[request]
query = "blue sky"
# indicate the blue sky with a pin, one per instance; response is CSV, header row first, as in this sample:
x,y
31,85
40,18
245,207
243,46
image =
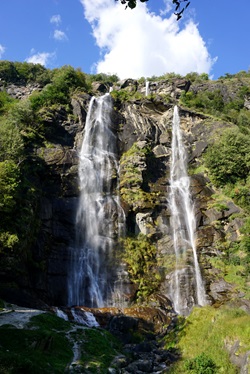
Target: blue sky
x,y
101,36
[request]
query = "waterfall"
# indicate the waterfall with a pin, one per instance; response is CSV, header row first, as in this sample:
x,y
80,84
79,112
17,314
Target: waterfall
x,y
99,218
147,88
186,286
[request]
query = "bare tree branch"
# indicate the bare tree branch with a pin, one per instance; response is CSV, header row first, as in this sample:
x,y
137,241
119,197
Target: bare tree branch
x,y
179,6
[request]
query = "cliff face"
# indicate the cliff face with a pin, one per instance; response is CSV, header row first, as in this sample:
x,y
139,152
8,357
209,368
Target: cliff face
x,y
144,130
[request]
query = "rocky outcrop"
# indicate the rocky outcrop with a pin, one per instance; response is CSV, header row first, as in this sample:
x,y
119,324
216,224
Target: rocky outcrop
x,y
143,128
20,91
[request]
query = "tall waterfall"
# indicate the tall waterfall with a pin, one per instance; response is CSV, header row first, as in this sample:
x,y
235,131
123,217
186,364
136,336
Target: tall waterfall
x,y
99,217
147,90
186,289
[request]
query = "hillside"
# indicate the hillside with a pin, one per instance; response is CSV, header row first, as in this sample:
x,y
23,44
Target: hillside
x,y
43,119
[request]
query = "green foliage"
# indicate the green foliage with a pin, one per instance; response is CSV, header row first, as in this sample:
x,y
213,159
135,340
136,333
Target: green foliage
x,y
167,76
203,339
233,266
41,350
201,364
64,81
9,185
228,159
103,78
239,192
12,72
134,186
48,321
210,102
196,78
11,141
240,74
140,255
5,102
44,345
123,95
214,100
99,351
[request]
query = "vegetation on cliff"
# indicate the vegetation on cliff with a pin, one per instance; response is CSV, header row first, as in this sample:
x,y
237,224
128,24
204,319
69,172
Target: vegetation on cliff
x,y
31,124
209,338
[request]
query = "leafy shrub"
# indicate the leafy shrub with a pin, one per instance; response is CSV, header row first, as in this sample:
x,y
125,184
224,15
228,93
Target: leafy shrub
x,y
140,257
5,102
104,78
13,72
9,185
201,364
64,81
228,159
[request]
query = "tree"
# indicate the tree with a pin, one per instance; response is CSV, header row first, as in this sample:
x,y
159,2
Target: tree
x,y
228,159
179,9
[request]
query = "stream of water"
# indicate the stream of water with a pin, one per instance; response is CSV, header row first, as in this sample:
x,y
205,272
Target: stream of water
x,y
99,217
187,288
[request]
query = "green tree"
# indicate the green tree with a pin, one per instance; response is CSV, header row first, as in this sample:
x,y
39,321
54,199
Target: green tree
x,y
64,81
228,159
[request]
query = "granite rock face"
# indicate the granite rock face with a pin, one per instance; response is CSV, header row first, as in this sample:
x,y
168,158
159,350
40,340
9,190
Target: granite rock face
x,y
143,127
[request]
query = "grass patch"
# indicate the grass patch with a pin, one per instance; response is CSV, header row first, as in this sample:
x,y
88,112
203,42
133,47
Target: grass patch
x,y
36,352
40,350
206,333
98,350
47,321
234,273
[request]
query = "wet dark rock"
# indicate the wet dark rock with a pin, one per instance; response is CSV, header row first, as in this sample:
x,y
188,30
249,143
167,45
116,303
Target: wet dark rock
x,y
148,123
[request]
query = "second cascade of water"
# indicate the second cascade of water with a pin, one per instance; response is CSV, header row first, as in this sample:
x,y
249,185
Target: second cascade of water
x,y
186,285
99,217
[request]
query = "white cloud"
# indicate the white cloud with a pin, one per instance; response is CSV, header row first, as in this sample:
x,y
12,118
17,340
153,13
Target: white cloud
x,y
43,58
56,19
60,35
168,6
2,50
139,43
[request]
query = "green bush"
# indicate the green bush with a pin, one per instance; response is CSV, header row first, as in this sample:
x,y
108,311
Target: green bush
x,y
140,255
9,185
11,141
228,159
103,78
24,72
201,364
64,81
5,102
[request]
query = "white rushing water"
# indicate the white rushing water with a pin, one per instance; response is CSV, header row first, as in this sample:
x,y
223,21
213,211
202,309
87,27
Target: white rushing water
x,y
187,287
99,217
147,88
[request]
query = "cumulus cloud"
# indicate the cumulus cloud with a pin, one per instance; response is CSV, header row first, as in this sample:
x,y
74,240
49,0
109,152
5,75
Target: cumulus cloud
x,y
139,43
56,19
59,35
2,50
43,58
